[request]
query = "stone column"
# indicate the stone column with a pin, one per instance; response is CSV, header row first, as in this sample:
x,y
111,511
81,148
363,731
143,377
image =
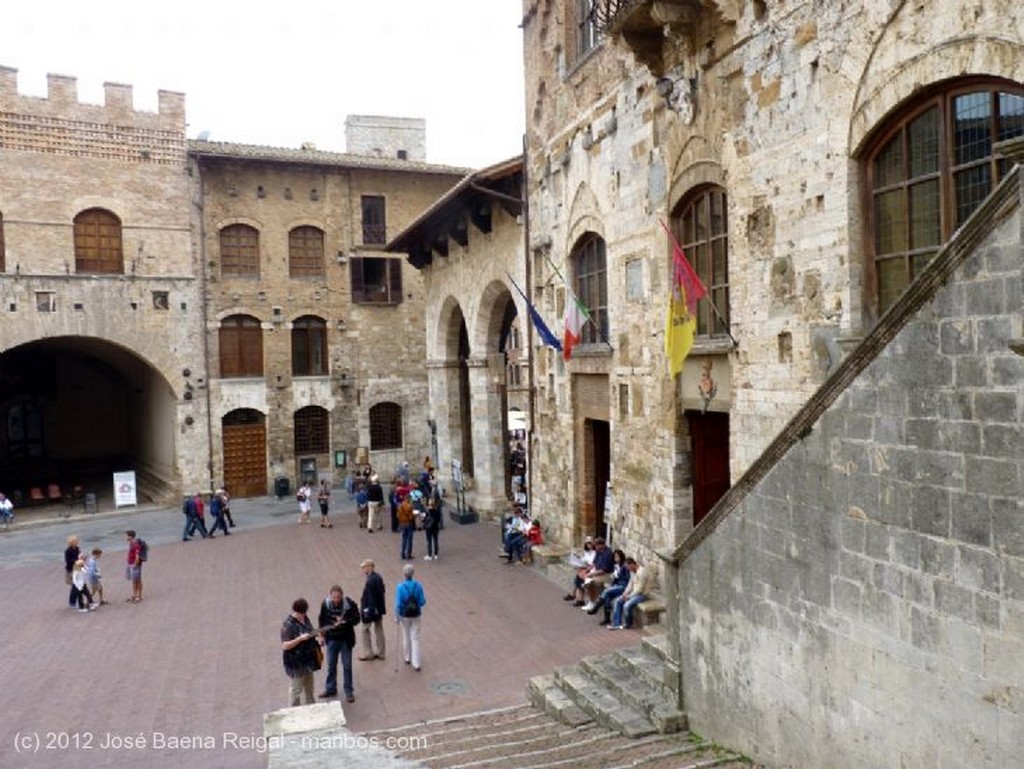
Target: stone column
x,y
486,385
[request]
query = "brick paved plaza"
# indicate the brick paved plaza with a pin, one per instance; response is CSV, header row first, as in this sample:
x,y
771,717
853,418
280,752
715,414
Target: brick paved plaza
x,y
200,658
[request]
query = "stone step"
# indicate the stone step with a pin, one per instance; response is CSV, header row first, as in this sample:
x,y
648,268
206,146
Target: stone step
x,y
614,674
657,645
548,697
601,705
654,671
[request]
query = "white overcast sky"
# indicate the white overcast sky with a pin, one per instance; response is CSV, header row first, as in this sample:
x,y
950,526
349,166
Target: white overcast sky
x,y
281,73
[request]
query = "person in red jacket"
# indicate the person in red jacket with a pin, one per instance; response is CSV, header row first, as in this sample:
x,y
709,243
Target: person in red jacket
x,y
134,570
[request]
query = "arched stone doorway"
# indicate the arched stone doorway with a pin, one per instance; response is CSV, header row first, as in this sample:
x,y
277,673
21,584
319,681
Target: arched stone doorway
x,y
74,410
244,434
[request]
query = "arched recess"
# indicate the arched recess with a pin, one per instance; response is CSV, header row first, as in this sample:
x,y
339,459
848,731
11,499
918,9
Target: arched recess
x,y
245,452
450,387
74,409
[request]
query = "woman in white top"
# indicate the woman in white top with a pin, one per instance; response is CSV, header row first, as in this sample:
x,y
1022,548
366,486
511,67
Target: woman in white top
x,y
303,496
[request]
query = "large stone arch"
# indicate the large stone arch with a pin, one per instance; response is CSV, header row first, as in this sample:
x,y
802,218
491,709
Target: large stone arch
x,y
448,381
100,407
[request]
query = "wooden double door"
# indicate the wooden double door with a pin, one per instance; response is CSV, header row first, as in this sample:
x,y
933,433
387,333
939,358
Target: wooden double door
x,y
245,453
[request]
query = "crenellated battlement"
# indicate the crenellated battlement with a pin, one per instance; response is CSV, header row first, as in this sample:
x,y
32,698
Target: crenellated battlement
x,y
60,124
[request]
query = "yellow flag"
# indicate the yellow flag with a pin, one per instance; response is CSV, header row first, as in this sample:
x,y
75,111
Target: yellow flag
x,y
680,328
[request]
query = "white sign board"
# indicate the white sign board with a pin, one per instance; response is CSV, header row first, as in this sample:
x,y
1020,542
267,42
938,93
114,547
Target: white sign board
x,y
457,473
124,489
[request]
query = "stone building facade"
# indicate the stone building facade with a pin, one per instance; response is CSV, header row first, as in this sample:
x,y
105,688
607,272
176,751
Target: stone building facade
x,y
201,312
315,334
809,158
100,293
469,247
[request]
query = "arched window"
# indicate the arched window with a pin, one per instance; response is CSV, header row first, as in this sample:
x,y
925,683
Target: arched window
x,y
98,243
241,347
312,431
309,346
240,251
306,252
927,172
701,227
385,426
589,268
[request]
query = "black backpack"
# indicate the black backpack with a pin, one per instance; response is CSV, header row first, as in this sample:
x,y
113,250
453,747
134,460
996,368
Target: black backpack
x,y
143,551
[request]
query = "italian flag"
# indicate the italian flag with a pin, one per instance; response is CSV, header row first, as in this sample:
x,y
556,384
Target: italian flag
x,y
576,316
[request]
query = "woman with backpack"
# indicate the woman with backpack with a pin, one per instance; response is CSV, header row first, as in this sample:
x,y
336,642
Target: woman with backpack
x,y
409,603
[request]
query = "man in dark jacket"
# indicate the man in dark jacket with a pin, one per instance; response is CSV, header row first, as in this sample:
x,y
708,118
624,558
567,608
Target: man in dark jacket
x,y
338,617
373,607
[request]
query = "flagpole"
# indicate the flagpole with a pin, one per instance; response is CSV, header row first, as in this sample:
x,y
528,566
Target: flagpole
x,y
707,294
589,318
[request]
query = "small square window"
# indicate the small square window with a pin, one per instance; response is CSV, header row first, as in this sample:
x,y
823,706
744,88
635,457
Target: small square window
x,y
161,300
46,301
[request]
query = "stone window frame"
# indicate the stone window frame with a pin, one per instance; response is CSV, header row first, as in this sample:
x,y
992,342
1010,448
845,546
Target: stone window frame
x,y
241,347
306,252
589,260
97,242
916,238
385,426
312,430
239,251
707,251
309,346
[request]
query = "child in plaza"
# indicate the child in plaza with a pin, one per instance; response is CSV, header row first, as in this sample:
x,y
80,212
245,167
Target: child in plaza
x,y
92,574
6,511
79,588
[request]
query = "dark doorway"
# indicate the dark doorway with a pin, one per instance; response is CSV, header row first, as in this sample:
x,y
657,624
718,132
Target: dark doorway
x,y
597,437
709,435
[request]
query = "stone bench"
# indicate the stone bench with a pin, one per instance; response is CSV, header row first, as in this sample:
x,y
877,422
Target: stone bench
x,y
545,554
650,611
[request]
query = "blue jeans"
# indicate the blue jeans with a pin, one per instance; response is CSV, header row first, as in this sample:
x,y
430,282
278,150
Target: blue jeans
x,y
407,533
336,646
193,523
608,596
218,521
626,606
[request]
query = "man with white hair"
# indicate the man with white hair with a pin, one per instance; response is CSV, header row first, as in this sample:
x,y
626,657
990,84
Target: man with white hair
x,y
375,500
409,603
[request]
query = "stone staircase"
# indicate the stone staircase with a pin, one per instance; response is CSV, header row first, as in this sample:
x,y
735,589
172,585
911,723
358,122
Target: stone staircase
x,y
630,691
523,737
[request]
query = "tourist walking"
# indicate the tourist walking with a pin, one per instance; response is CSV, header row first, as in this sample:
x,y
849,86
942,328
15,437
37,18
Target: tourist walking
x,y
432,522
6,512
302,497
374,502
373,606
407,526
409,603
217,513
323,498
71,554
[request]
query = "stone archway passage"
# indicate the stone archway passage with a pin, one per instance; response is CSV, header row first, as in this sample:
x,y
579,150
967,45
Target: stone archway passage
x,y
245,453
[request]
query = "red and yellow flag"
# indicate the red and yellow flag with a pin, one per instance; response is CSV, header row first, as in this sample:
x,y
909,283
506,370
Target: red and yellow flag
x,y
681,320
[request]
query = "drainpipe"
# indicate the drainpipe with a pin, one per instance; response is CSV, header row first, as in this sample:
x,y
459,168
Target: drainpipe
x,y
204,305
531,390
